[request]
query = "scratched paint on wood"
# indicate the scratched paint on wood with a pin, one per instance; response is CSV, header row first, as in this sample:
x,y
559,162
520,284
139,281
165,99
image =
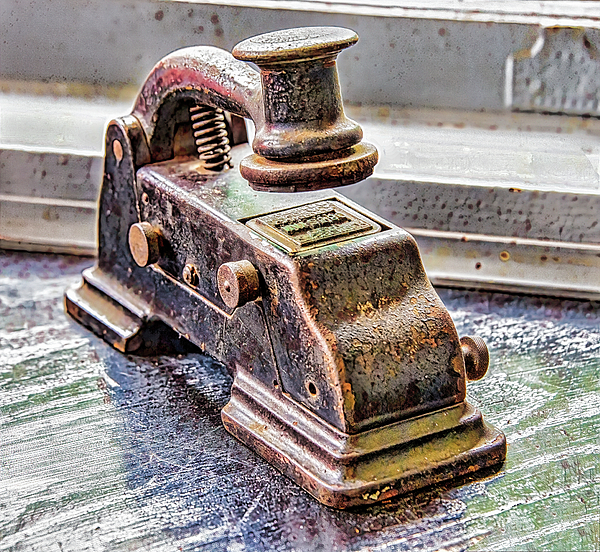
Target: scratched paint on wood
x,y
103,452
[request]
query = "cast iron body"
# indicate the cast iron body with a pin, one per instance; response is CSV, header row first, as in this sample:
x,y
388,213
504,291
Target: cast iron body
x,y
349,375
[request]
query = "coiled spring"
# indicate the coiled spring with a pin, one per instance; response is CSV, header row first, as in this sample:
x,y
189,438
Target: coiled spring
x,y
210,135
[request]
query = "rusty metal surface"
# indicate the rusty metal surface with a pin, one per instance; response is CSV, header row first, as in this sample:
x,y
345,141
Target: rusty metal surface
x,y
348,372
290,45
476,355
303,111
305,141
326,281
295,339
313,225
341,168
238,283
144,243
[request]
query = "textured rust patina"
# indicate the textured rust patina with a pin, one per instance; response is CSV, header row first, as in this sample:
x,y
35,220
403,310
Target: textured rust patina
x,y
349,375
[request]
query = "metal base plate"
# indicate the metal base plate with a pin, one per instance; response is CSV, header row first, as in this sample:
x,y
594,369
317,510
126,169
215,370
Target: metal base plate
x,y
343,470
126,329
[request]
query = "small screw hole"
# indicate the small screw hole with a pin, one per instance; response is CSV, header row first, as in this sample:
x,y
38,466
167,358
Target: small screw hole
x,y
312,389
227,287
477,266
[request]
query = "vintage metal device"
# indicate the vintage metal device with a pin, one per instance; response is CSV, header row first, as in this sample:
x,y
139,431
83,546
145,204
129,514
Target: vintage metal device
x,y
349,375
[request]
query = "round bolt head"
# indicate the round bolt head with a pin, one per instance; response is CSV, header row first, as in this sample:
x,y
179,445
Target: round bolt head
x,y
190,275
476,355
238,283
144,243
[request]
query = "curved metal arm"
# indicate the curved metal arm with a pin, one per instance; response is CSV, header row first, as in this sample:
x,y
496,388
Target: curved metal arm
x,y
203,75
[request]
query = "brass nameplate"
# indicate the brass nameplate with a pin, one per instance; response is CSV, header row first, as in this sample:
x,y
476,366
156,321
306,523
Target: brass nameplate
x,y
313,225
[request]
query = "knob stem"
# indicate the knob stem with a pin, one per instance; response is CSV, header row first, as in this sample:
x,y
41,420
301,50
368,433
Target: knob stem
x,y
303,111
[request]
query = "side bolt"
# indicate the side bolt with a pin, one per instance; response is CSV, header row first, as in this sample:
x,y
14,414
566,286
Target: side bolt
x,y
476,355
144,243
238,283
190,275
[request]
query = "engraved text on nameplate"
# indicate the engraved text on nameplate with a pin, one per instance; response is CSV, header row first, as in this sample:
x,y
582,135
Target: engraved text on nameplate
x,y
313,225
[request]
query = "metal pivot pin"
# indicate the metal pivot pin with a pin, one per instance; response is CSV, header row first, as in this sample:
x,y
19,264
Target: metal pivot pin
x,y
144,243
238,283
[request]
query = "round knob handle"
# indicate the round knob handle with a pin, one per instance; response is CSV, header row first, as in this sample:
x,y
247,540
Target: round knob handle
x,y
476,355
289,45
302,102
238,283
144,243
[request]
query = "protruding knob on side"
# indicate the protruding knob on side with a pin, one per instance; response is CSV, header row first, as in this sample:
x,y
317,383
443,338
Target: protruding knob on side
x,y
238,283
476,355
144,243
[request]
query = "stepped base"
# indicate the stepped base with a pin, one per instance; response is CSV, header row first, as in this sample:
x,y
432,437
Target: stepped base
x,y
343,470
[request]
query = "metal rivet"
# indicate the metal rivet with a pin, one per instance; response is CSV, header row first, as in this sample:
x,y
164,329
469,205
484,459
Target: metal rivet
x,y
117,148
238,283
476,356
144,243
190,275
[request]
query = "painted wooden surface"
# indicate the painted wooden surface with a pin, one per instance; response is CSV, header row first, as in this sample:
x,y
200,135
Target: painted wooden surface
x,y
101,452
